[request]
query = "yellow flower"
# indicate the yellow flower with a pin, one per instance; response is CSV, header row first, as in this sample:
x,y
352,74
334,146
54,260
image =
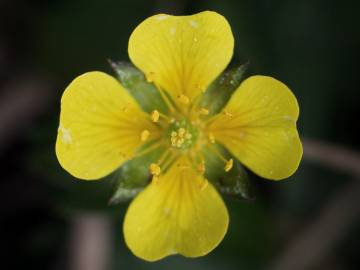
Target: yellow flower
x,y
101,127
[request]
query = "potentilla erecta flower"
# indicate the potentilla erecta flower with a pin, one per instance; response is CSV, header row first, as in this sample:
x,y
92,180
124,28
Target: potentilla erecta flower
x,y
102,127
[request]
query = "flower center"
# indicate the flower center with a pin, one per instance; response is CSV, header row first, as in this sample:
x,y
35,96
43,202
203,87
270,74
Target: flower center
x,y
182,134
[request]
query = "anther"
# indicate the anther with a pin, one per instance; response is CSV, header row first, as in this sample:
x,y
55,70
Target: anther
x,y
179,137
204,111
144,135
155,116
228,165
155,169
184,99
181,132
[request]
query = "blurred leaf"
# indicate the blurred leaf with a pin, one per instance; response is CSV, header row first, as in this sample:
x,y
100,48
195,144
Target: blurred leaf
x,y
145,93
235,183
134,176
220,91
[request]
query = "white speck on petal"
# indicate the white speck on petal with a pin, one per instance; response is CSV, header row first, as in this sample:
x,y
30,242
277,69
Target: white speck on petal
x,y
288,118
172,251
162,17
65,135
193,23
172,30
167,211
195,39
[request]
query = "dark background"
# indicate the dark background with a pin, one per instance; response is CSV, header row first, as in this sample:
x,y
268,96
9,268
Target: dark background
x,y
51,221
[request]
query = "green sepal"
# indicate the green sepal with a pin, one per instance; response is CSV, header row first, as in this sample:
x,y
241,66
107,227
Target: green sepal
x,y
133,176
220,91
145,93
235,182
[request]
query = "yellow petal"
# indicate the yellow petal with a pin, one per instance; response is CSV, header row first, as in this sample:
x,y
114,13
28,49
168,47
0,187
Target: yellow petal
x,y
100,126
258,126
180,212
182,54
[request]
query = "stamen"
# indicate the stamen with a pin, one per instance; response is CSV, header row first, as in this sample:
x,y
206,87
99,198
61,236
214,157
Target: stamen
x,y
214,149
183,99
170,160
144,135
179,137
166,99
148,149
155,116
155,179
228,165
181,132
155,169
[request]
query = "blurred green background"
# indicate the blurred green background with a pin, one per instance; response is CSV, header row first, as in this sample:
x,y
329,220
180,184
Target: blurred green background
x,y
50,220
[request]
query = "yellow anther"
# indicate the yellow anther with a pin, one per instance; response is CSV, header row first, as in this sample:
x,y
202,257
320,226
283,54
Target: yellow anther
x,y
155,169
211,137
144,135
181,132
179,143
228,165
150,76
229,114
155,116
201,167
179,137
204,111
184,99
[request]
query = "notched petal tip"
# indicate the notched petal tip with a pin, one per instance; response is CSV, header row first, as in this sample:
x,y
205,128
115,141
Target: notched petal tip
x,y
96,134
261,131
202,43
180,214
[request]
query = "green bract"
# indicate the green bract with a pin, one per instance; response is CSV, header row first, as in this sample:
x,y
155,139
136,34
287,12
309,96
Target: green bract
x,y
134,175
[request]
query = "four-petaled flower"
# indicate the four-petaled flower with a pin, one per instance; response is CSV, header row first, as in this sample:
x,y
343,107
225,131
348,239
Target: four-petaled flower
x,y
102,126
